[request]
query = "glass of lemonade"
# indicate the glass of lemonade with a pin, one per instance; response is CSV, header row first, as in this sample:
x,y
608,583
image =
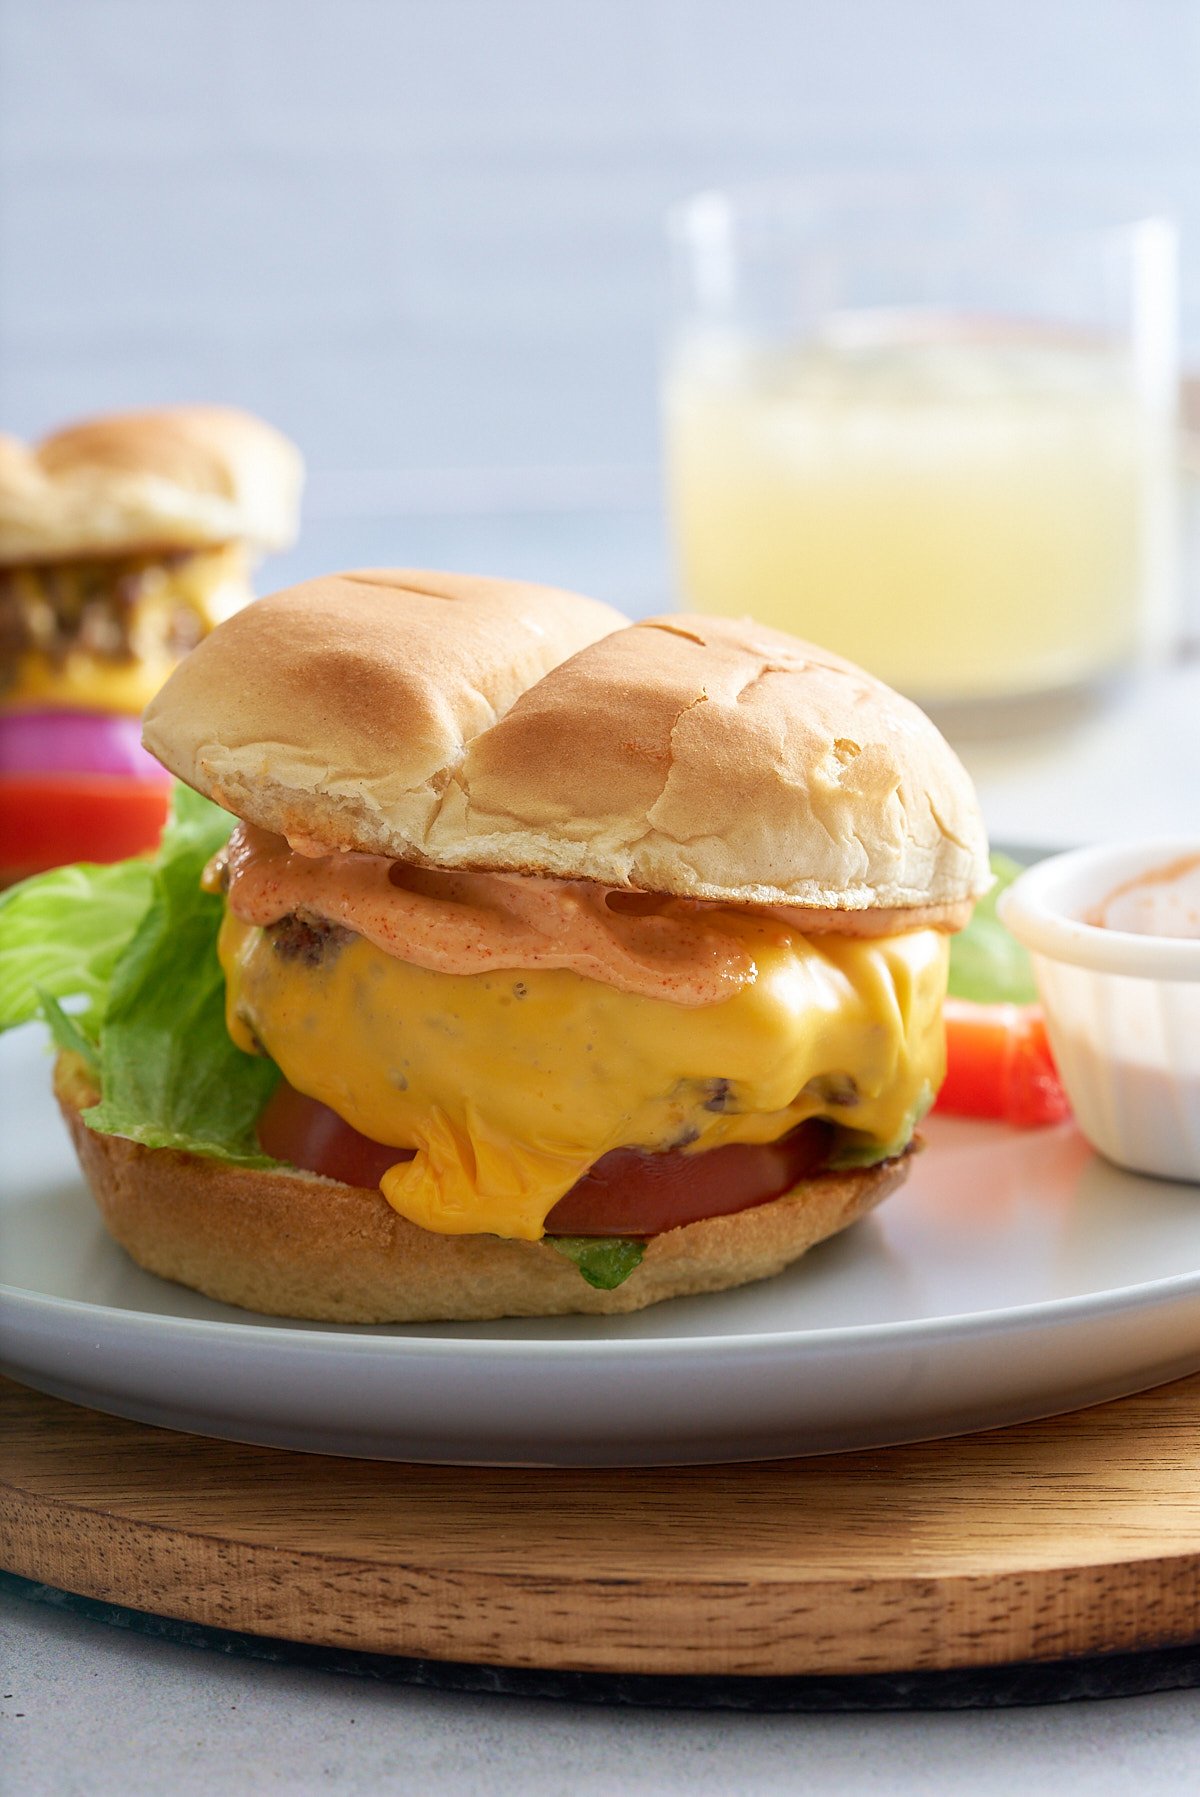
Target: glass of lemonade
x,y
929,427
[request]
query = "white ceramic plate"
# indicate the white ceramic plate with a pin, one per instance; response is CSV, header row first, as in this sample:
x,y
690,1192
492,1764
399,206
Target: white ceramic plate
x,y
1015,1275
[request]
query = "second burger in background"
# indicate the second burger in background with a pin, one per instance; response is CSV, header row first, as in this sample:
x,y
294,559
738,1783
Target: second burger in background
x,y
123,541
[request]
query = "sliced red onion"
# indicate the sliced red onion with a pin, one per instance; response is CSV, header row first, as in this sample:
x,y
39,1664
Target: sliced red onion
x,y
74,742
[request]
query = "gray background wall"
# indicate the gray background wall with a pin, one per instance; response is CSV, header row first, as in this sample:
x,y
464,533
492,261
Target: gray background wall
x,y
424,236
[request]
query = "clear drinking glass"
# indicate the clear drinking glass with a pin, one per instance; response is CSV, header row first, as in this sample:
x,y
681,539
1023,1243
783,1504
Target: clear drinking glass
x,y
931,426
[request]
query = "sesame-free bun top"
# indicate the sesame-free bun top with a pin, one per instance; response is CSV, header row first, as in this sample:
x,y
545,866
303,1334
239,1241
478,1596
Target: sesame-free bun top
x,y
718,759
449,720
179,477
335,712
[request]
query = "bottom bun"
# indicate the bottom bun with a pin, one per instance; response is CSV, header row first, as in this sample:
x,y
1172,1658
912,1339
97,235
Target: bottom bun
x,y
292,1244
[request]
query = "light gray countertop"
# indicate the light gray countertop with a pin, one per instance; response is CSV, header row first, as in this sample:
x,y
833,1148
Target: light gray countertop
x,y
1129,766
95,1709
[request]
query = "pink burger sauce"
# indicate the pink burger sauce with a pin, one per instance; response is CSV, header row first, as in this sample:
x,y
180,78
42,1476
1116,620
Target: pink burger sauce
x,y
466,923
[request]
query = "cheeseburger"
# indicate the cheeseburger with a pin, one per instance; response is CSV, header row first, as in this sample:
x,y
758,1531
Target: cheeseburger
x,y
600,963
122,542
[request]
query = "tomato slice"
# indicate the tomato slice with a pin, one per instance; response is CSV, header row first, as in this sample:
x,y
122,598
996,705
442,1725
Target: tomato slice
x,y
632,1192
49,819
309,1134
629,1192
999,1064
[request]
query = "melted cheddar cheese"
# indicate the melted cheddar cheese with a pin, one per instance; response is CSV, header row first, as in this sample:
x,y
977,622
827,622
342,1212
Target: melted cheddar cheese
x,y
509,1086
85,649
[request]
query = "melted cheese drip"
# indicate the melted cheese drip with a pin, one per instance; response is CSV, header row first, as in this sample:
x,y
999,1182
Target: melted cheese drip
x,y
211,583
510,1086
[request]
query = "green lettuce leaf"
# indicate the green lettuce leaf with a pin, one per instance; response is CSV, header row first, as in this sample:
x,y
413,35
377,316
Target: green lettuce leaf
x,y
67,1035
61,934
605,1261
170,1075
135,946
855,1148
987,963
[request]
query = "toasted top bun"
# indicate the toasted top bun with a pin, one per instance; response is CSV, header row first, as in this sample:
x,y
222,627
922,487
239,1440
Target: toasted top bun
x,y
718,759
437,718
334,713
180,477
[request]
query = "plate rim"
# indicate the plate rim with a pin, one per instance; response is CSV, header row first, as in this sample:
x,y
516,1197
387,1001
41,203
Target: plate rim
x,y
343,1340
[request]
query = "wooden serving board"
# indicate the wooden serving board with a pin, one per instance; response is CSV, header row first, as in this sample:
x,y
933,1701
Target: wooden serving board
x,y
1076,1536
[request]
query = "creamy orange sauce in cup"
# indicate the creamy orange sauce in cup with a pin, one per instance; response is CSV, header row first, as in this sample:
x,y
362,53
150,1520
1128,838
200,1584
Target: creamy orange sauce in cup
x,y
1164,901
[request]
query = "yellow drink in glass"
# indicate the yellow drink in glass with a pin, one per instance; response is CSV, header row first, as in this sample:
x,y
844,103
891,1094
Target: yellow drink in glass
x,y
964,518
929,426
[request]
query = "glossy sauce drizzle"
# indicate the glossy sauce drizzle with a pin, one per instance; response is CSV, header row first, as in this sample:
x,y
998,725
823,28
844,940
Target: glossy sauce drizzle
x,y
682,950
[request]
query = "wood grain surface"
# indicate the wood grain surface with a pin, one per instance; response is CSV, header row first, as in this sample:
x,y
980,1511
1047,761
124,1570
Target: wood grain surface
x,y
1080,1535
